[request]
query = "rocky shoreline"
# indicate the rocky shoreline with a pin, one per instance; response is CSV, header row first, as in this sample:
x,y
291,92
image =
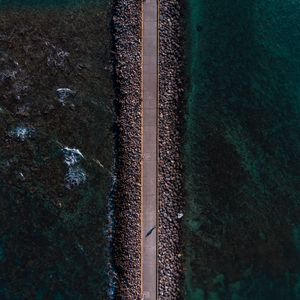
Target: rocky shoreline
x,y
126,243
171,116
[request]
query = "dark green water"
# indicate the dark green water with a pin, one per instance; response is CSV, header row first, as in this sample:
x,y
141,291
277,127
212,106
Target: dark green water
x,y
51,4
56,144
243,150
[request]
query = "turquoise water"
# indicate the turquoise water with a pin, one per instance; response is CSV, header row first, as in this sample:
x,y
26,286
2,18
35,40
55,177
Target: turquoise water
x,y
56,142
243,150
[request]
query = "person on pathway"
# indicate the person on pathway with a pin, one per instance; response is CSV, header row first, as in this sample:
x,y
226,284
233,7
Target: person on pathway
x,y
150,231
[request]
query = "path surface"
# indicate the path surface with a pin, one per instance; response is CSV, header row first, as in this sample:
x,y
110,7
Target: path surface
x,y
149,149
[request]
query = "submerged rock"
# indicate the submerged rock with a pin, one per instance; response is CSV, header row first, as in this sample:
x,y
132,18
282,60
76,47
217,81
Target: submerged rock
x,y
180,215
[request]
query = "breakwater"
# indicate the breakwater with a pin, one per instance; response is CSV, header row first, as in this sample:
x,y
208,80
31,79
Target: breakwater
x,y
171,105
126,241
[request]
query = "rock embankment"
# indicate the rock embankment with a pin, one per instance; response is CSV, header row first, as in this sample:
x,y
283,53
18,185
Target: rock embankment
x,y
127,237
171,104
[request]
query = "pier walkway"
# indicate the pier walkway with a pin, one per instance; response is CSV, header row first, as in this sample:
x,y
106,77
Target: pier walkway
x,y
149,149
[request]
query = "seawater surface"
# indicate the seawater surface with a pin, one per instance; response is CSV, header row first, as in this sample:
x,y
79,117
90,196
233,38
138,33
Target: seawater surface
x,y
242,153
56,141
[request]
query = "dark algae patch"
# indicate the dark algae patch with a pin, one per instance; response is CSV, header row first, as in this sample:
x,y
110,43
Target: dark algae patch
x,y
243,150
56,144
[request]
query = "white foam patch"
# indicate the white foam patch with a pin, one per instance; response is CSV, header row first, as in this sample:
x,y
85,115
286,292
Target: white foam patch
x,y
63,94
57,56
8,75
75,175
72,156
22,133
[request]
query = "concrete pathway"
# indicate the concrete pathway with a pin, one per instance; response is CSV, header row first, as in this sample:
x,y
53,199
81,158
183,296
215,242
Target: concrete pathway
x,y
149,149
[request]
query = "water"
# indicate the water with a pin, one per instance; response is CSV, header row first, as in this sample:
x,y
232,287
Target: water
x,y
56,144
51,4
243,150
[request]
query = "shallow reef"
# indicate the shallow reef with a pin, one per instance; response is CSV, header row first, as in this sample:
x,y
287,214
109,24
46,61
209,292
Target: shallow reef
x,y
56,141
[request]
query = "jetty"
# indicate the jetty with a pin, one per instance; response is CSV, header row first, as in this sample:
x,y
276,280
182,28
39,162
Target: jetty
x,y
149,207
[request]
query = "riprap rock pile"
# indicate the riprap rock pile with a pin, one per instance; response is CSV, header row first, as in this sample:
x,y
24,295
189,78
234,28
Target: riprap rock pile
x,y
171,105
127,237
